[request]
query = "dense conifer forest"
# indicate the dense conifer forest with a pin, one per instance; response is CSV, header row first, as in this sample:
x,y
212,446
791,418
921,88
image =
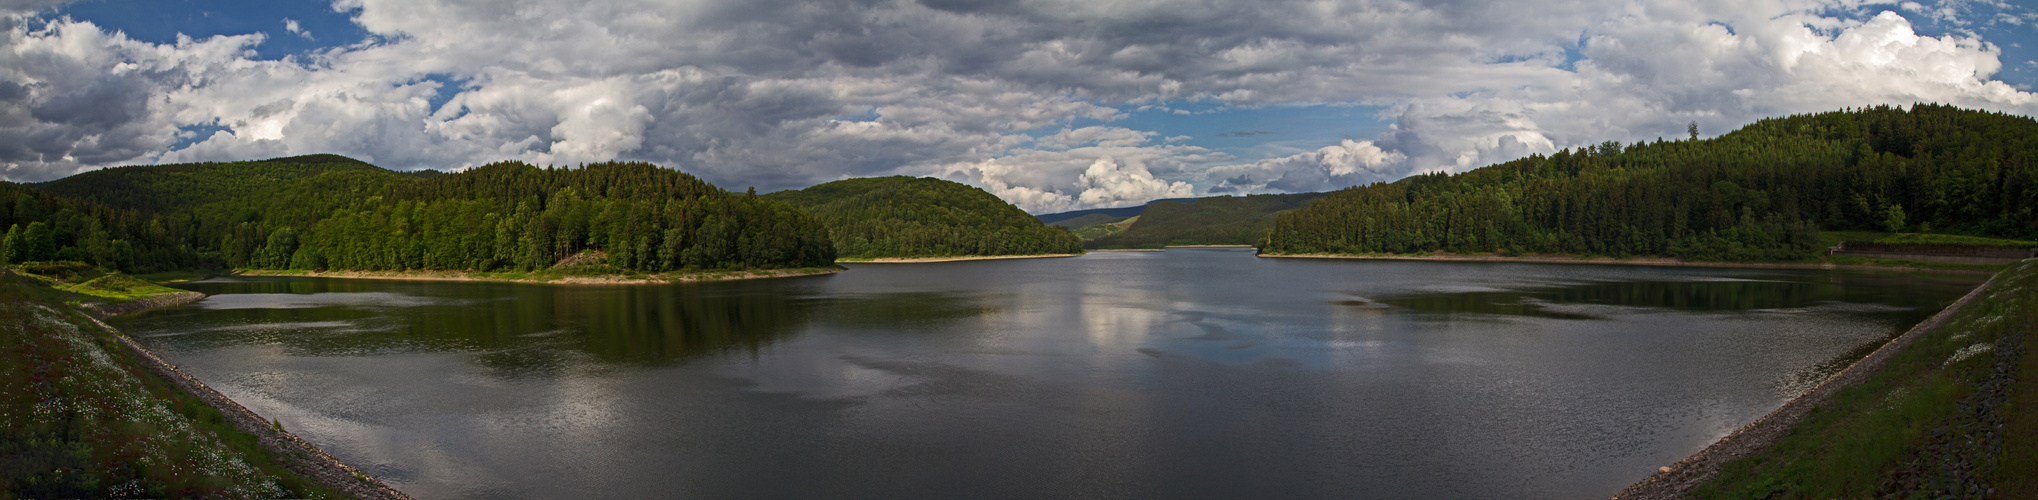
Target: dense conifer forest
x,y
925,217
1759,193
331,212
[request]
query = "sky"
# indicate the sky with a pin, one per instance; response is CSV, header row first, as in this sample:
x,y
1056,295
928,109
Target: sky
x,y
1053,105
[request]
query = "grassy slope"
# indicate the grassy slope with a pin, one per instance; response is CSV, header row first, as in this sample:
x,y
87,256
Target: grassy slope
x,y
1088,220
1952,240
90,283
1921,424
84,419
1058,219
1830,238
1095,231
1217,220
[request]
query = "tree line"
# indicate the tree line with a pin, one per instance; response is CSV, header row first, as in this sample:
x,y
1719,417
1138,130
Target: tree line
x,y
329,212
1759,193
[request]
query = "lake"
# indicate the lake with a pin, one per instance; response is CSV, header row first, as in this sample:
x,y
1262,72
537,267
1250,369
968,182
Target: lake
x,y
1190,373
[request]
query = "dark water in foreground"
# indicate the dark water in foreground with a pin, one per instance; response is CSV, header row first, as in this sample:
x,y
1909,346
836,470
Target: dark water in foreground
x,y
1179,374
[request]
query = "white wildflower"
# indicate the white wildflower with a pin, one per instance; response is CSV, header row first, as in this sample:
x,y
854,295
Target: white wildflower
x,y
1968,352
1895,398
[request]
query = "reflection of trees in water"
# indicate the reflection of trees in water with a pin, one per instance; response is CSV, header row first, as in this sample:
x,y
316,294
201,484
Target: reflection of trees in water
x,y
518,329
1700,296
1687,296
655,325
513,328
894,311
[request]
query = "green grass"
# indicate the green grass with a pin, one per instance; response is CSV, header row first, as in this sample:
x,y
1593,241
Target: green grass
x,y
1830,238
1952,240
1875,429
1095,231
77,283
173,276
83,419
1088,220
2018,475
1846,260
118,287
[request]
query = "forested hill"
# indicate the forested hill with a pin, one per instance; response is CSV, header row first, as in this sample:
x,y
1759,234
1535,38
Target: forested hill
x,y
1216,220
179,186
1759,193
42,226
924,217
330,212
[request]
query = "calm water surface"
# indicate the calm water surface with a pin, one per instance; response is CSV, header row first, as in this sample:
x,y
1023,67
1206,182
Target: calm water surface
x,y
1178,374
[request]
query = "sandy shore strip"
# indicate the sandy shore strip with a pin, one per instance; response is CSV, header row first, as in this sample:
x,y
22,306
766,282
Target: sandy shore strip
x,y
1631,261
1209,246
1129,250
1677,480
918,260
612,279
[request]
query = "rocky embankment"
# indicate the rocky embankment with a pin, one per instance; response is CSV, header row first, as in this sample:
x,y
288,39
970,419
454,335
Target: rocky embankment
x,y
291,452
90,412
1959,455
1926,415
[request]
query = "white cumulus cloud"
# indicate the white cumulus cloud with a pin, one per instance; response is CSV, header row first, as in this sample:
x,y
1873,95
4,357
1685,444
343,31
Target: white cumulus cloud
x,y
1025,98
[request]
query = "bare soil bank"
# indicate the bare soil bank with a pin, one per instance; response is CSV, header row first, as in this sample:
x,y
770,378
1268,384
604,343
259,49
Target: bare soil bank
x,y
916,260
1632,261
605,279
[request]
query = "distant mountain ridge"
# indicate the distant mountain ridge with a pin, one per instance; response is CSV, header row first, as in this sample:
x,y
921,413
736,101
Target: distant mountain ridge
x,y
1216,220
1119,213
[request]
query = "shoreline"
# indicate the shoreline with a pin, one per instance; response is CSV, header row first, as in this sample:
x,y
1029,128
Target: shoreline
x,y
1633,261
100,310
1677,480
291,452
606,279
957,258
